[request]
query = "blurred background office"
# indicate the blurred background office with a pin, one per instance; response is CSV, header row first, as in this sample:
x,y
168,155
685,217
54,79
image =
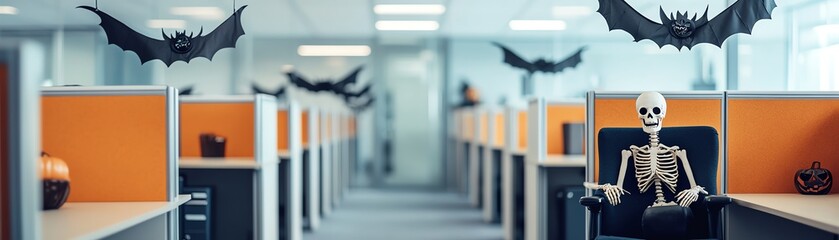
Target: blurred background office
x,y
417,57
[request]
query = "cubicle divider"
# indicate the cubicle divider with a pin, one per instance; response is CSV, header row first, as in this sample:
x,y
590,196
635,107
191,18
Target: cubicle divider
x,y
21,74
326,162
290,153
312,179
476,153
770,136
241,188
512,173
554,168
492,155
337,154
126,136
617,109
353,151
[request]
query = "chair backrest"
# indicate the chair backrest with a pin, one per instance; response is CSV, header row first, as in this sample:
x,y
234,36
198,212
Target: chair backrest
x,y
702,146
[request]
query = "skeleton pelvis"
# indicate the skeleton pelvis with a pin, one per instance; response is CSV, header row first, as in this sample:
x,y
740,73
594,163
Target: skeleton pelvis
x,y
666,222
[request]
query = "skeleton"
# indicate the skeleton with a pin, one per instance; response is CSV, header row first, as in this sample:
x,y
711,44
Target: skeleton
x,y
655,163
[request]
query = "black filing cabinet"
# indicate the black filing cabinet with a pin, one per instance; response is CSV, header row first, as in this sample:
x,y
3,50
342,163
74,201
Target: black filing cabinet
x,y
195,214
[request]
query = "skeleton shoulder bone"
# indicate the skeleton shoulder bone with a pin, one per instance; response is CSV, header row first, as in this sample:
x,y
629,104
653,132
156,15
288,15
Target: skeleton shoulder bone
x,y
655,163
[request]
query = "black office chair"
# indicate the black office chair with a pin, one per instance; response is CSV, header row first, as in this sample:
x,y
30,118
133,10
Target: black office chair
x,y
624,220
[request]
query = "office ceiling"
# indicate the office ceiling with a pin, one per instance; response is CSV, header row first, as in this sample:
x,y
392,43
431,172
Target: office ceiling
x,y
347,18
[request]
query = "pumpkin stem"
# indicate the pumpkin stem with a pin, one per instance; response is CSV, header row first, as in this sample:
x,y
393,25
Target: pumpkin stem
x,y
44,154
816,164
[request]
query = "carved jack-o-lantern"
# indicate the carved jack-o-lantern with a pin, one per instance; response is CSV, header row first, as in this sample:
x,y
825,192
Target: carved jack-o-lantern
x,y
55,176
814,180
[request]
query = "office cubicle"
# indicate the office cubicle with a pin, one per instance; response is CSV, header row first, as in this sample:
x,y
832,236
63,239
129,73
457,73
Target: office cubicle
x,y
244,183
553,172
290,153
326,146
127,135
617,109
311,168
512,166
492,156
477,144
770,136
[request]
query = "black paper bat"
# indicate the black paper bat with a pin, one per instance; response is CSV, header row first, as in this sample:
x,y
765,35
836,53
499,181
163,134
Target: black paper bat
x,y
681,31
179,47
363,106
279,93
540,65
363,91
186,91
324,85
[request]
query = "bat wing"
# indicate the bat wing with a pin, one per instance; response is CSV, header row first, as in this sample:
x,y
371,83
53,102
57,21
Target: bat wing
x,y
514,60
257,89
341,85
186,91
620,15
224,36
348,94
300,82
568,62
126,38
740,17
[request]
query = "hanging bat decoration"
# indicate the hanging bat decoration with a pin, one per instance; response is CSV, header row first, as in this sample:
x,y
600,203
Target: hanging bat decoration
x,y
324,85
362,92
540,65
279,93
173,48
682,31
362,106
186,91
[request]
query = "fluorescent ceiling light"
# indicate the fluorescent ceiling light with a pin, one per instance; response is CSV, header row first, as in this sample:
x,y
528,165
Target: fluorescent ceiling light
x,y
537,25
8,10
826,28
571,11
333,50
198,12
407,25
409,9
166,23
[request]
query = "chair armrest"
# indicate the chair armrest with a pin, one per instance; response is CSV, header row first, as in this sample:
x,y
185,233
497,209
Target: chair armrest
x,y
593,203
715,204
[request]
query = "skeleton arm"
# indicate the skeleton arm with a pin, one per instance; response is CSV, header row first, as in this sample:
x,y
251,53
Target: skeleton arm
x,y
613,192
688,196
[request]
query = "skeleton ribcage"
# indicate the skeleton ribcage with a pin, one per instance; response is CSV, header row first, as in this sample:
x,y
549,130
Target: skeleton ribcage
x,y
649,167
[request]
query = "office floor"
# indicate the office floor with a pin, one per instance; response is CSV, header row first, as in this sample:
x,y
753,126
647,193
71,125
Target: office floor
x,y
374,214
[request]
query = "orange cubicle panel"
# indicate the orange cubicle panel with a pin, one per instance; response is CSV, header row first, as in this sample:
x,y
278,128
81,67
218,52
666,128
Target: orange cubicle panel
x,y
483,128
232,120
114,146
770,139
282,130
499,130
680,112
353,126
522,129
304,119
557,115
468,126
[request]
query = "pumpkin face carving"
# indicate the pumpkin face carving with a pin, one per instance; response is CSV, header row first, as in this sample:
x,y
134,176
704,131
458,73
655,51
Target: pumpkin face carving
x,y
55,176
814,180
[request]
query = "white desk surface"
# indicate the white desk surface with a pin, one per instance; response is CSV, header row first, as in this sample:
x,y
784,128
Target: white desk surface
x,y
819,211
283,154
218,163
563,161
95,220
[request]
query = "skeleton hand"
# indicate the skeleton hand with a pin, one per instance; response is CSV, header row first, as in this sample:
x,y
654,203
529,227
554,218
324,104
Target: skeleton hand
x,y
613,193
688,196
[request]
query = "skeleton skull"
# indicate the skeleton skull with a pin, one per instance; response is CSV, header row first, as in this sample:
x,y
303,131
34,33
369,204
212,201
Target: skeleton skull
x,y
651,108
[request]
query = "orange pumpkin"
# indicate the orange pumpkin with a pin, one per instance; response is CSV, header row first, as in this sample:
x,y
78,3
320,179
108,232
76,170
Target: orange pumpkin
x,y
53,168
55,176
